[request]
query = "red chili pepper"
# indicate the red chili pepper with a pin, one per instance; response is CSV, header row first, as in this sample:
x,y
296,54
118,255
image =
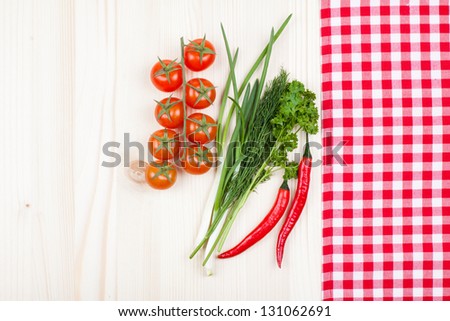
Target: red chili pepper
x,y
304,171
266,225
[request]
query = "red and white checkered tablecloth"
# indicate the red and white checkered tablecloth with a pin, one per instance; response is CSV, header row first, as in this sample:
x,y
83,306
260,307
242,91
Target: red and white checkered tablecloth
x,y
386,94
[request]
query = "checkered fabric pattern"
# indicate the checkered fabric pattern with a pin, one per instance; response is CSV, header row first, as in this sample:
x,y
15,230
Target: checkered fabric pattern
x,y
386,95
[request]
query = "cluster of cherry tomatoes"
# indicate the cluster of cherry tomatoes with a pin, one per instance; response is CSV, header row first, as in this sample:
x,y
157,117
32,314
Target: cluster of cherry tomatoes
x,y
198,129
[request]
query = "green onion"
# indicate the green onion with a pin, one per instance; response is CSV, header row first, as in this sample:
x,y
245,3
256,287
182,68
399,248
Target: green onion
x,y
231,194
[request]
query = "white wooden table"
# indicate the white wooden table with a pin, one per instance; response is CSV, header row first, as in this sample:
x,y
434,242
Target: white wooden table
x,y
73,76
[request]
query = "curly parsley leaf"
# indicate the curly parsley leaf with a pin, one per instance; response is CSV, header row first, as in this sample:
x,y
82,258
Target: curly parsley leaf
x,y
290,170
297,110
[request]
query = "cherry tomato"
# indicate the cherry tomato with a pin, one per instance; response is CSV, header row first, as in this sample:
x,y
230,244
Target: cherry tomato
x,y
163,144
199,160
169,112
200,128
199,54
160,175
166,75
200,93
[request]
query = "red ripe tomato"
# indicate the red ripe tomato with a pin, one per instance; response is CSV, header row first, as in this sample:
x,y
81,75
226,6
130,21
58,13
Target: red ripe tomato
x,y
163,144
201,128
199,160
199,54
167,75
169,112
200,93
160,175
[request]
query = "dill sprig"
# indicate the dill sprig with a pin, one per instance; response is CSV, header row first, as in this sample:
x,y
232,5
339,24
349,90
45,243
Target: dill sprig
x,y
259,141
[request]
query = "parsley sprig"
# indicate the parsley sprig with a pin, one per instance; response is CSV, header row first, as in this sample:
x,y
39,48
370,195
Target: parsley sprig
x,y
297,111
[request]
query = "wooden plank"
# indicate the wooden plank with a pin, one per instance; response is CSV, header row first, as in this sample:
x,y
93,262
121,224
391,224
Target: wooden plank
x,y
94,125
163,224
36,235
74,76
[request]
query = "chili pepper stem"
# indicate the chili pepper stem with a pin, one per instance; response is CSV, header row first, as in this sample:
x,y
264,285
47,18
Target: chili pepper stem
x,y
307,152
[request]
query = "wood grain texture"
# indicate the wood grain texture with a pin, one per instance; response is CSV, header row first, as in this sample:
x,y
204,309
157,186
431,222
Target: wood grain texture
x,y
73,76
37,199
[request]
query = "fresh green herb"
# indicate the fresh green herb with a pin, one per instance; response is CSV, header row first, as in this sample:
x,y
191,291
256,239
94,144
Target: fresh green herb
x,y
297,108
284,110
297,112
267,119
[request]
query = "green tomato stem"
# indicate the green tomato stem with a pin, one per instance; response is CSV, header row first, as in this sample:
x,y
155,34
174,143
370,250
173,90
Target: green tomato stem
x,y
183,97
